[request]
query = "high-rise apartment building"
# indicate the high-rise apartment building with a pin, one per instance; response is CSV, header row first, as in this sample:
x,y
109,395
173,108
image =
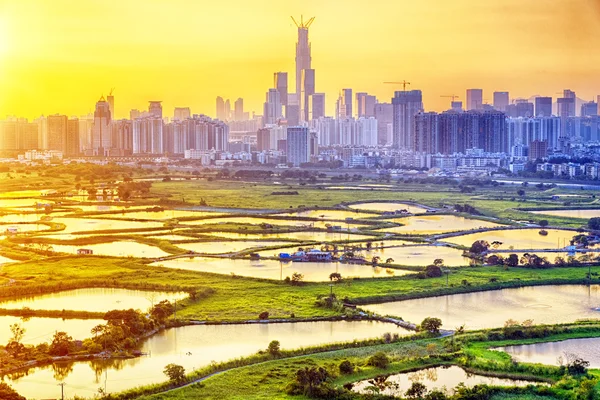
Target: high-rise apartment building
x,y
181,113
524,109
365,105
57,132
501,100
589,109
281,84
543,106
72,147
155,109
426,132
406,104
474,99
298,145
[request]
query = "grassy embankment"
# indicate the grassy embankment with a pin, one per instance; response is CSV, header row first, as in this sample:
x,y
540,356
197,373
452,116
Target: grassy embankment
x,y
268,379
228,298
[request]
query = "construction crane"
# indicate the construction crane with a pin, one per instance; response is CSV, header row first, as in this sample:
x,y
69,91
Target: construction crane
x,y
302,24
452,96
403,83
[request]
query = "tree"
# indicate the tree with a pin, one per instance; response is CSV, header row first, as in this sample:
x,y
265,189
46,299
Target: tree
x,y
379,360
512,260
8,393
274,348
175,373
543,223
263,315
479,247
61,343
495,260
521,192
416,391
594,223
14,346
335,276
297,278
438,262
162,310
309,381
431,325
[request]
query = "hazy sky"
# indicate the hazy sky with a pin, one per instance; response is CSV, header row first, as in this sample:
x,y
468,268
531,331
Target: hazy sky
x,y
61,55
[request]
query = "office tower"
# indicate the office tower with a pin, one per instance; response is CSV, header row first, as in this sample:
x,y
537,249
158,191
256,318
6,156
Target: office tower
x,y
308,89
298,151
566,107
155,109
589,109
474,99
316,106
263,139
220,108
57,132
292,114
543,106
501,100
524,109
303,58
227,110
238,110
101,134
181,113
367,131
111,104
72,138
347,102
426,132
538,149
281,84
384,113
406,104
272,107
365,105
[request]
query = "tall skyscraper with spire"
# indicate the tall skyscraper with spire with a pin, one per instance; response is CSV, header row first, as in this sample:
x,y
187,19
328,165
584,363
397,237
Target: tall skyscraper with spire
x,y
303,59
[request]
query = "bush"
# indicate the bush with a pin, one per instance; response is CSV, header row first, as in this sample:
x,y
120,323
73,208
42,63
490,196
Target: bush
x,y
433,271
274,348
263,315
594,223
346,367
379,360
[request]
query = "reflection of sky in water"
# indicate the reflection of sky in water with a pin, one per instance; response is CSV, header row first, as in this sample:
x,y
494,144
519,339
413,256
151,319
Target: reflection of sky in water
x,y
519,238
39,330
542,304
193,347
548,353
436,378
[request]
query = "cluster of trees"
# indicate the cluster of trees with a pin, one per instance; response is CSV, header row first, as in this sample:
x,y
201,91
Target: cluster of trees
x,y
127,189
466,208
530,260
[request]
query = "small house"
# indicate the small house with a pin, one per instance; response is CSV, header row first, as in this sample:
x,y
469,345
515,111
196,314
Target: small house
x,y
85,252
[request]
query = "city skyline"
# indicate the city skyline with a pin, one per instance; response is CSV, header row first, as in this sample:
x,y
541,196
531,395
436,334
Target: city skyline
x,y
58,72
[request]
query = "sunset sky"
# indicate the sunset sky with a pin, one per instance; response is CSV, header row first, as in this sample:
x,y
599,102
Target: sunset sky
x,y
60,56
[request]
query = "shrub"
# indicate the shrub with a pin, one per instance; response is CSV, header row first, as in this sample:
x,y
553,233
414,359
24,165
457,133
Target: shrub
x,y
379,360
263,315
274,348
346,367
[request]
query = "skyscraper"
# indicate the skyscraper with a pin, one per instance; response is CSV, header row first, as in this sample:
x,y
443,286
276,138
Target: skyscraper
x,y
406,104
111,103
281,84
365,105
501,100
589,109
220,108
474,99
543,106
308,89
384,113
72,137
303,58
426,132
227,110
316,106
238,110
101,134
272,107
57,132
298,150
344,104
